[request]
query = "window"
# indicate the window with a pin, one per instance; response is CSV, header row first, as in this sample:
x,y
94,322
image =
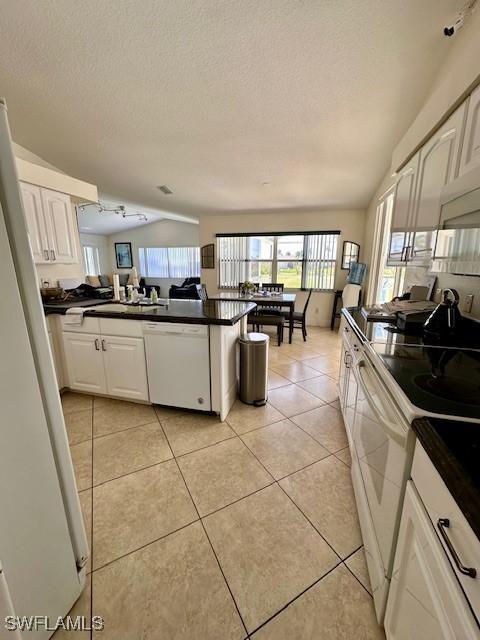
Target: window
x,y
299,261
385,281
91,259
169,262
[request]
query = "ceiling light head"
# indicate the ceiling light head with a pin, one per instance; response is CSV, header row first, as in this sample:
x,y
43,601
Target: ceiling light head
x,y
164,189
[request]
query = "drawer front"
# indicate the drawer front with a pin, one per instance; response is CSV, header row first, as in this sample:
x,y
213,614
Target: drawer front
x,y
89,325
118,327
439,503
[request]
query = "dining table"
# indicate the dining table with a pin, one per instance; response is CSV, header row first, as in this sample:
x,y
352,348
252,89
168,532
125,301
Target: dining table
x,y
272,300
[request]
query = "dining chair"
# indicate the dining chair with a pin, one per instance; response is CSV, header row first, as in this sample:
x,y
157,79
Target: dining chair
x,y
273,309
300,317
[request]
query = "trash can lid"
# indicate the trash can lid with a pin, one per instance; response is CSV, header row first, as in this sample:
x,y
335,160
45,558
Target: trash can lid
x,y
254,338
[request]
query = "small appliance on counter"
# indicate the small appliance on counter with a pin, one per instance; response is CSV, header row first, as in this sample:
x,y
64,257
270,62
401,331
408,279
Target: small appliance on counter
x,y
443,325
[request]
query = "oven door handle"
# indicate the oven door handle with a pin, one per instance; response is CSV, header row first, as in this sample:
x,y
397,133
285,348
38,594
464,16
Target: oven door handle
x,y
390,428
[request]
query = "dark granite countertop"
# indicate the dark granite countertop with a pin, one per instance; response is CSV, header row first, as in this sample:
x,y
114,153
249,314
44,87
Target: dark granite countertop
x,y
184,311
61,306
454,449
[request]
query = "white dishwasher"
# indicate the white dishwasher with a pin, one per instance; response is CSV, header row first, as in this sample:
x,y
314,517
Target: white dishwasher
x,y
178,364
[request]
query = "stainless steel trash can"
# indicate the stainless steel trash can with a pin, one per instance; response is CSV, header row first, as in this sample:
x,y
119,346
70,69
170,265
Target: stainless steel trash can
x,y
253,368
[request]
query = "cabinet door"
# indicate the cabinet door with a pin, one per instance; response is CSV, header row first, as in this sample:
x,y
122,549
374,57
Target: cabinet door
x,y
425,600
402,212
471,139
37,231
125,367
438,166
84,362
61,226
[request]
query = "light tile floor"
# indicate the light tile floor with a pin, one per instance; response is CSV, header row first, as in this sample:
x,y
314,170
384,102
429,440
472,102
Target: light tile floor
x,y
202,530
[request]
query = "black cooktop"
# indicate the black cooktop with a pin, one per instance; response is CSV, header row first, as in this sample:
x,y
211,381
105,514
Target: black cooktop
x,y
440,380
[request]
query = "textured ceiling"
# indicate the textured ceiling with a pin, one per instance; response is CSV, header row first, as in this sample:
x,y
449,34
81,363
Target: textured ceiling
x,y
214,98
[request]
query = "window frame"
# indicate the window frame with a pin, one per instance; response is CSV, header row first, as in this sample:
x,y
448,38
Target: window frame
x,y
275,260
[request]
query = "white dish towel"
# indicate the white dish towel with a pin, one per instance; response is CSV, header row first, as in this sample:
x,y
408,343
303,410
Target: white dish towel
x,y
74,315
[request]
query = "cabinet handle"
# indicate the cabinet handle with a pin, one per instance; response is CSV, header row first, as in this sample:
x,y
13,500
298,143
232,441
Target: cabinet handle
x,y
97,344
45,254
104,348
52,254
442,524
347,359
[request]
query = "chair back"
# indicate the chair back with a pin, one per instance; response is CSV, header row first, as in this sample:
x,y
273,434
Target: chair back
x,y
273,286
308,300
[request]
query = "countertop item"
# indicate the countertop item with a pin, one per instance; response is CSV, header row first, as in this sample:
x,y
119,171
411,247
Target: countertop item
x,y
454,449
51,293
183,311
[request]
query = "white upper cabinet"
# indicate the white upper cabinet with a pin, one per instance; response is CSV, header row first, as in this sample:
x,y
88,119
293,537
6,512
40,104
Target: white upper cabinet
x,y
404,195
438,166
416,206
402,211
51,225
471,140
37,231
59,217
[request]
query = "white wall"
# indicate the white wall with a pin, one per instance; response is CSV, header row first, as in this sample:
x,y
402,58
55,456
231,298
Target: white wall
x,y
459,71
349,223
165,233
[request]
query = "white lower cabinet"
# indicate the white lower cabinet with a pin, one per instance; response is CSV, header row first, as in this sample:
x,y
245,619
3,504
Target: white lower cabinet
x,y
84,362
125,368
425,600
110,365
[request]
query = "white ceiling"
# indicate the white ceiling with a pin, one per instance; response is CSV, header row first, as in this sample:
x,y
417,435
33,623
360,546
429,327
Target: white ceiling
x,y
90,220
215,97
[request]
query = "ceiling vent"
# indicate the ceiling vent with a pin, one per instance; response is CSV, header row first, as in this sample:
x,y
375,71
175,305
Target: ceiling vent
x,y
164,189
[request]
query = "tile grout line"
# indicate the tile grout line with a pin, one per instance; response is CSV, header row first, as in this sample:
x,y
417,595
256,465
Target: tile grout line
x,y
295,505
356,577
206,534
143,546
290,602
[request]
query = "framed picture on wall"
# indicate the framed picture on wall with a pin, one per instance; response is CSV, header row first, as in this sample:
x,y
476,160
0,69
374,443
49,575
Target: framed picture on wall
x,y
208,256
123,254
350,254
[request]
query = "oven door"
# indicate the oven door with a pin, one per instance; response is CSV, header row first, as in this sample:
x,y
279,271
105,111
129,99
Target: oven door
x,y
383,443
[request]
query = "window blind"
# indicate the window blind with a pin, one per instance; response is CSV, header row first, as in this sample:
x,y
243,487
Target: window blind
x,y
169,262
298,260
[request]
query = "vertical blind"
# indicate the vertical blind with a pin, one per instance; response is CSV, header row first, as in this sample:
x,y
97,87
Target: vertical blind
x,y
309,264
169,262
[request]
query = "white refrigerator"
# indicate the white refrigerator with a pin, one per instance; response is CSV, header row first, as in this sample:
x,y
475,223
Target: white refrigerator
x,y
43,546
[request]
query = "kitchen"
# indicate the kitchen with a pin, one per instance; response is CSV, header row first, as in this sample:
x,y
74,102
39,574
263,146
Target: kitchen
x,y
347,503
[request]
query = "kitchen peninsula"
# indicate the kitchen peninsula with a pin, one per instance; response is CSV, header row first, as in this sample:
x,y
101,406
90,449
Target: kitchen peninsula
x,y
180,354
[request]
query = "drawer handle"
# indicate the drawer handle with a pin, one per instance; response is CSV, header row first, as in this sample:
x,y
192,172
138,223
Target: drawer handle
x,y
442,524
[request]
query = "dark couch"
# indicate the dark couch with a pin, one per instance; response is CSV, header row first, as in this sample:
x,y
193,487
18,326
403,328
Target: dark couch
x,y
188,290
